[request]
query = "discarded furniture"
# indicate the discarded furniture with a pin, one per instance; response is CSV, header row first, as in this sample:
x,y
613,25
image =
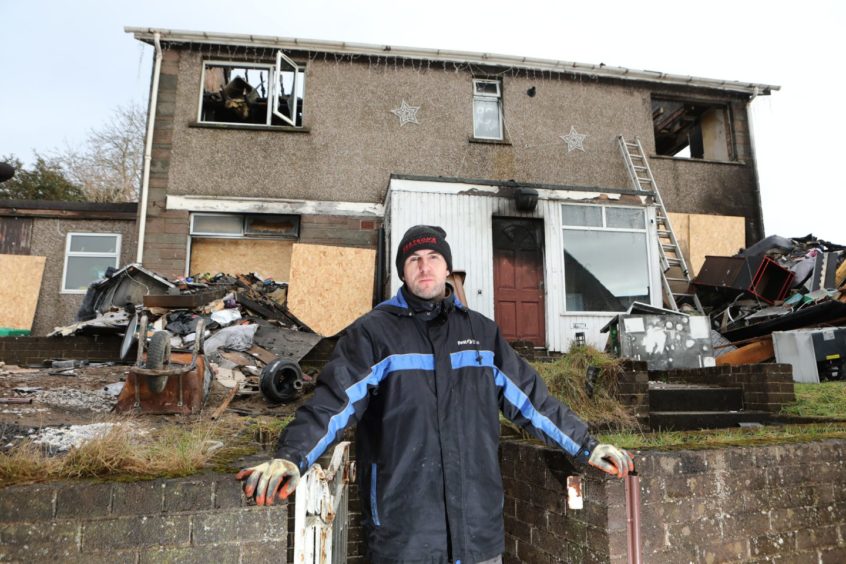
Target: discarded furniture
x,y
814,354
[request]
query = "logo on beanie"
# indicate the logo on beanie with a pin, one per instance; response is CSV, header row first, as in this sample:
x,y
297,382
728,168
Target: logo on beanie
x,y
419,241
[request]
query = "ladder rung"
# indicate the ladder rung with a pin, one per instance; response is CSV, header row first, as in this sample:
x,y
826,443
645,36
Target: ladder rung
x,y
671,279
639,167
673,261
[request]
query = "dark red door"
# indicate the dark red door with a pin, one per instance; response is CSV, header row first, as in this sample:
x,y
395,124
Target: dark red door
x,y
518,279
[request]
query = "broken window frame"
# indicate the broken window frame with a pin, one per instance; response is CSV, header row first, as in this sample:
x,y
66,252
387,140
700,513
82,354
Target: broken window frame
x,y
603,228
487,98
70,255
695,149
274,73
246,232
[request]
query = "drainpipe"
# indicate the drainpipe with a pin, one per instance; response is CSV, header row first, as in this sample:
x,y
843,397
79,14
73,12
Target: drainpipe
x,y
754,158
148,148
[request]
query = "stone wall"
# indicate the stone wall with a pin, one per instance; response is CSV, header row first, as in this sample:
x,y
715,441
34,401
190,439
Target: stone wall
x,y
197,519
780,503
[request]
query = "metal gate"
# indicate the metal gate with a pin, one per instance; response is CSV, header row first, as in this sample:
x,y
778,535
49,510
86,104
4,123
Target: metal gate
x,y
321,521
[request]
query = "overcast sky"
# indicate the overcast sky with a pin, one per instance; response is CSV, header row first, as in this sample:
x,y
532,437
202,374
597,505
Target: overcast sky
x,y
68,64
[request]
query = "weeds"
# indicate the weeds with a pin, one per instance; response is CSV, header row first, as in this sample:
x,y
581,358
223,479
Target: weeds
x,y
717,438
170,451
566,379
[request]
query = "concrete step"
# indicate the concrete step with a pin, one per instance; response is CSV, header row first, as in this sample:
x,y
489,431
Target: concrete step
x,y
695,398
690,420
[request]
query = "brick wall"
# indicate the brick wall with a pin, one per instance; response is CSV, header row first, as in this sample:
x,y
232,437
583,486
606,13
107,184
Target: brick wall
x,y
633,389
780,503
34,350
766,387
199,519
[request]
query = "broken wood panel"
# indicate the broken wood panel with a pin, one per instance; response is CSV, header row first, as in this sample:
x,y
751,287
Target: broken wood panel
x,y
20,289
238,256
330,286
753,353
15,235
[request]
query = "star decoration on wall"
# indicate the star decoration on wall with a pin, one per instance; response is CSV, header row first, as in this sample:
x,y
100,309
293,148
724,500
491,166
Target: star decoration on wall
x,y
406,113
574,140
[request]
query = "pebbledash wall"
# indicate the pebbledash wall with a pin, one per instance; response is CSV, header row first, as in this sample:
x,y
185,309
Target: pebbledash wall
x,y
783,503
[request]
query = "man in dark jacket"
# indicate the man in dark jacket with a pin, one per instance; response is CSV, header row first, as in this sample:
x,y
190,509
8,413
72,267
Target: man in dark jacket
x,y
425,379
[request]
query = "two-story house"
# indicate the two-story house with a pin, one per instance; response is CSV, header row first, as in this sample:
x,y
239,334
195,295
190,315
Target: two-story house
x,y
262,145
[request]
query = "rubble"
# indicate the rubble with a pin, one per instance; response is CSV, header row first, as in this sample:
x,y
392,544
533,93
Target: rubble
x,y
760,304
244,313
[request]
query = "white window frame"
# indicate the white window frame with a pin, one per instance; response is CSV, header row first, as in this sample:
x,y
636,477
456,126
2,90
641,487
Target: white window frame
x,y
274,71
69,254
195,233
487,98
648,237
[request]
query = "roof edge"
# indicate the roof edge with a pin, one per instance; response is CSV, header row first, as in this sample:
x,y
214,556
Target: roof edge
x,y
146,35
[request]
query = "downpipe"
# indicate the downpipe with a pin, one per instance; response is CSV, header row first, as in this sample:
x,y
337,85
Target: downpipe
x,y
633,518
148,149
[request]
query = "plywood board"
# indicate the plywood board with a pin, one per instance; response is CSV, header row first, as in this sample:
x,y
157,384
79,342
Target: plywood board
x,y
330,287
700,235
718,235
19,291
268,258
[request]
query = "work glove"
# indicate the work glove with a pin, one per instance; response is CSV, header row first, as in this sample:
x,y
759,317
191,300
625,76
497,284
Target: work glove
x,y
276,478
613,460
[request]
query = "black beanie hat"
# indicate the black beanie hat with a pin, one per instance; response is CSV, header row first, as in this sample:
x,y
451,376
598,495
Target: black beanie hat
x,y
423,237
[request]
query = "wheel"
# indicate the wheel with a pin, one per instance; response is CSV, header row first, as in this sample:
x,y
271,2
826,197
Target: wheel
x,y
158,351
281,380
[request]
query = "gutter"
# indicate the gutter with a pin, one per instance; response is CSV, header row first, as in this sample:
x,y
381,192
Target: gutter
x,y
444,55
148,149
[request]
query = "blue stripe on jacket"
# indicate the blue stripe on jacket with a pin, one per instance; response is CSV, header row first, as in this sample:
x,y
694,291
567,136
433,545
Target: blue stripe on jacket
x,y
515,396
358,391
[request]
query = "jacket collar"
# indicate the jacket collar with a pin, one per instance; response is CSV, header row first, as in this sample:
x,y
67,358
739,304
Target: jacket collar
x,y
399,304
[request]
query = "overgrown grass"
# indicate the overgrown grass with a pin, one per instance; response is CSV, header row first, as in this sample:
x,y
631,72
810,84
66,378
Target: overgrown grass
x,y
716,438
172,450
826,399
566,379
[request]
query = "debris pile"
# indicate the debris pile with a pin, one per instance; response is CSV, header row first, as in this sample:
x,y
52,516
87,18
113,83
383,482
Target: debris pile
x,y
781,299
250,341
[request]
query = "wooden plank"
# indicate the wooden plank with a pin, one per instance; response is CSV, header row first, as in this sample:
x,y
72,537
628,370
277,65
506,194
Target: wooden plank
x,y
19,291
753,353
15,235
268,258
330,286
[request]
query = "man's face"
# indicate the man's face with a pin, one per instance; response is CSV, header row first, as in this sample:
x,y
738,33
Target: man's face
x,y
425,274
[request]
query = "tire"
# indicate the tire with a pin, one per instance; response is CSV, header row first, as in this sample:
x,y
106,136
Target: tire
x,y
158,353
281,381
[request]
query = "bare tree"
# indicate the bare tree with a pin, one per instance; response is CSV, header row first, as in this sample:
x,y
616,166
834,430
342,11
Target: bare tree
x,y
108,166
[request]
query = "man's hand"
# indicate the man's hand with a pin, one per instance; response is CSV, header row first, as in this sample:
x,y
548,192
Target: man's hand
x,y
264,480
612,460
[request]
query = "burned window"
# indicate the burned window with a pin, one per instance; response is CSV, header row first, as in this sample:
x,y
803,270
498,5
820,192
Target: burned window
x,y
253,93
692,130
487,109
87,257
245,225
606,261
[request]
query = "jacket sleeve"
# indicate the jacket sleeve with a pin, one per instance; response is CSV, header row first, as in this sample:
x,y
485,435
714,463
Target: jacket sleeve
x,y
525,400
340,398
